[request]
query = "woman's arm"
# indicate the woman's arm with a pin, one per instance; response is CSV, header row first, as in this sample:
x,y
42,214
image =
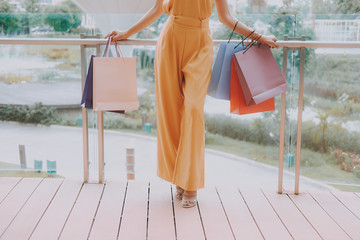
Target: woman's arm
x,y
154,13
229,20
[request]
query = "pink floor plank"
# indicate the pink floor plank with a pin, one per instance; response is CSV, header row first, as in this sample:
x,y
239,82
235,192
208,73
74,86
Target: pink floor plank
x,y
264,215
161,218
28,217
213,216
241,221
188,222
107,220
338,212
81,217
357,194
350,200
323,224
13,203
53,220
293,219
6,185
134,218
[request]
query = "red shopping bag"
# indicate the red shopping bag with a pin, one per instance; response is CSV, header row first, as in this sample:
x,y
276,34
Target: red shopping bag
x,y
237,100
260,76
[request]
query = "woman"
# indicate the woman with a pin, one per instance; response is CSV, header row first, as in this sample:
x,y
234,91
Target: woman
x,y
183,63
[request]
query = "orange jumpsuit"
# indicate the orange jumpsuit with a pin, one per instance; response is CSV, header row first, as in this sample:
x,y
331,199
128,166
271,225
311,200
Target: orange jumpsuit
x,y
183,63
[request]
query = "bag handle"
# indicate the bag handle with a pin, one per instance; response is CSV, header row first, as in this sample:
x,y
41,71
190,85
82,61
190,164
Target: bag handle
x,y
243,39
107,48
233,31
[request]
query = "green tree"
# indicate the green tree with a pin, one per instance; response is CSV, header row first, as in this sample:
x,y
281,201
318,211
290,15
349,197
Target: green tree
x,y
9,22
64,17
348,6
32,16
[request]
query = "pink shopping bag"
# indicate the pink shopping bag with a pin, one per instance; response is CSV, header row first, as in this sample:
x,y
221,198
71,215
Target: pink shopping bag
x,y
115,84
259,75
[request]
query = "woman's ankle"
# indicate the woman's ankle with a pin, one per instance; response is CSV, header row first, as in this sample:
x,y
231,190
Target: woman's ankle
x,y
190,193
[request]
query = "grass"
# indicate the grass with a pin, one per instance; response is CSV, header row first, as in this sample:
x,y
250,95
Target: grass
x,y
320,167
14,78
13,170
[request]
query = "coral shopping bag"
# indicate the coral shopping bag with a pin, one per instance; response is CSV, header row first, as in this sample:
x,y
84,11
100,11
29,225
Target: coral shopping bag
x,y
237,101
260,76
87,97
115,84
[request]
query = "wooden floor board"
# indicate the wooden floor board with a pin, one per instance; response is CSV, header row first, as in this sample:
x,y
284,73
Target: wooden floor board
x,y
34,208
349,200
295,222
161,219
213,216
338,212
188,222
13,203
107,221
134,218
54,218
81,216
240,218
265,216
53,208
321,221
6,185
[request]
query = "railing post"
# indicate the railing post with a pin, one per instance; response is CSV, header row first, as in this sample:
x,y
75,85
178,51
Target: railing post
x,y
300,107
282,121
84,116
283,115
85,125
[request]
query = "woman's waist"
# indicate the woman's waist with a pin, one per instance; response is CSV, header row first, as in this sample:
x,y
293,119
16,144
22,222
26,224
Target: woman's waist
x,y
189,21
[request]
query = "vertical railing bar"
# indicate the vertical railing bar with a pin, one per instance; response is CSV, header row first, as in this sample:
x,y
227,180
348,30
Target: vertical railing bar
x,y
282,121
300,107
101,145
100,133
84,117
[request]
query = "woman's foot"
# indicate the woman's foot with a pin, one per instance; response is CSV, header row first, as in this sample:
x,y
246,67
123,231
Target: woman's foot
x,y
189,199
179,192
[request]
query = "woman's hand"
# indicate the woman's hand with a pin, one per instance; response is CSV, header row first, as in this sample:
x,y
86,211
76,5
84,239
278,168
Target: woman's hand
x,y
117,35
269,40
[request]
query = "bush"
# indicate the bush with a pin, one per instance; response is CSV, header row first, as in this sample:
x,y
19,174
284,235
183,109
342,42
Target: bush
x,y
257,131
335,137
37,114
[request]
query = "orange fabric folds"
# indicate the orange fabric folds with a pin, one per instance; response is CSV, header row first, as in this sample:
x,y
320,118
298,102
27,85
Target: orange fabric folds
x,y
237,100
115,86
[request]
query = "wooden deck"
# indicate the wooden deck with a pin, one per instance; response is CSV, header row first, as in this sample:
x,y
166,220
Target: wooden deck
x,y
50,208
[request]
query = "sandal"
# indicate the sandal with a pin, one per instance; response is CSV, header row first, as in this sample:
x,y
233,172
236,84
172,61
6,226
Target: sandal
x,y
179,192
188,201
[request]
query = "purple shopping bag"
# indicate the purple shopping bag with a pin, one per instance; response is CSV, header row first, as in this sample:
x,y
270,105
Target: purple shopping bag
x,y
259,75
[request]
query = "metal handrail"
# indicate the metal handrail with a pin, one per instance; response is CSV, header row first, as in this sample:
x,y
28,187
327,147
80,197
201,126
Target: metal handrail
x,y
93,42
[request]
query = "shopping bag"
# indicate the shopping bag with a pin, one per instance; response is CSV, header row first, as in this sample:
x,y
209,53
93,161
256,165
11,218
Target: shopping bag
x,y
237,101
260,76
115,84
219,86
87,97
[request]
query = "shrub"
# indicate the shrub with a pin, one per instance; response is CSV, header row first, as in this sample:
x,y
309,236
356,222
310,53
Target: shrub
x,y
37,114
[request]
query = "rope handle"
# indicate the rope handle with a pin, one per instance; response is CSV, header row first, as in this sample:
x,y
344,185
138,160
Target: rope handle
x,y
107,48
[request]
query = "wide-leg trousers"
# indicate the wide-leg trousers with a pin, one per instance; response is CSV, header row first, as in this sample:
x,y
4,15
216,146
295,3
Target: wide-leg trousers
x,y
183,63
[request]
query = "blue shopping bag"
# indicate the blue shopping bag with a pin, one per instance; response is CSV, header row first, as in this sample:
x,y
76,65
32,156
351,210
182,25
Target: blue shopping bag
x,y
219,86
